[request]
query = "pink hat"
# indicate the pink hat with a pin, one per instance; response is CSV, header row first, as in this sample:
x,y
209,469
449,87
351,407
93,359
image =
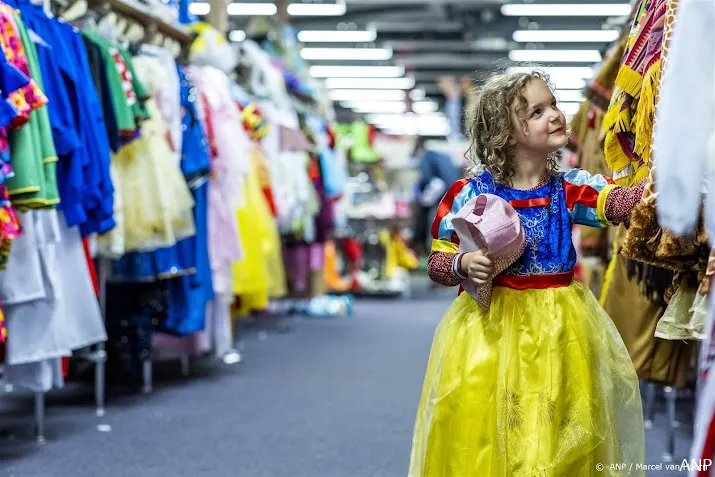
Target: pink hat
x,y
488,223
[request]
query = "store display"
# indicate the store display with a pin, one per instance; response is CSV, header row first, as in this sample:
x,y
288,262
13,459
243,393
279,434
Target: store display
x,y
209,192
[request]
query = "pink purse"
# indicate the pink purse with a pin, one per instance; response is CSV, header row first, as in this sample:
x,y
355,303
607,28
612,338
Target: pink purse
x,y
488,223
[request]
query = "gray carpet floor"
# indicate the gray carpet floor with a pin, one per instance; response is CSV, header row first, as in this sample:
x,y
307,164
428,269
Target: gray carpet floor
x,y
325,398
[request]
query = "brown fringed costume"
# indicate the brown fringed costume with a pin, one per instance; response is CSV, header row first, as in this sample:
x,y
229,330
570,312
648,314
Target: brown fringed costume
x,y
635,304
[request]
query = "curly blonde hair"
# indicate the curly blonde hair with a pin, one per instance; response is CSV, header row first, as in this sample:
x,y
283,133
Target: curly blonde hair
x,y
489,127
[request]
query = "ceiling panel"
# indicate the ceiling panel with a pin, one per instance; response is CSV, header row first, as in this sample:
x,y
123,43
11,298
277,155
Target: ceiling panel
x,y
472,38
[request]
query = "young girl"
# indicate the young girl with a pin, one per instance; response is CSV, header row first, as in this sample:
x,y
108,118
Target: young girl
x,y
540,384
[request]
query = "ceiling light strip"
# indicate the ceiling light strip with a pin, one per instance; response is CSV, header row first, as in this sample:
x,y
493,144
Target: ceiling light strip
x,y
360,54
336,36
567,83
367,95
317,9
565,36
361,106
557,71
567,10
369,83
200,8
269,9
556,56
356,71
376,106
407,118
251,9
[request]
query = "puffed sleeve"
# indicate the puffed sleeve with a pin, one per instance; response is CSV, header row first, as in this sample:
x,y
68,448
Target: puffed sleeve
x,y
444,238
595,201
586,196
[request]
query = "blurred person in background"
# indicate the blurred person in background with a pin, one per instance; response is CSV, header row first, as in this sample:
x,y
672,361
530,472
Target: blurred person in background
x,y
437,172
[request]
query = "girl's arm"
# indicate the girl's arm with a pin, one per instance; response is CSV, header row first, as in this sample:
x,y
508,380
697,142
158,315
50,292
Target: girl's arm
x,y
621,202
443,262
442,268
595,201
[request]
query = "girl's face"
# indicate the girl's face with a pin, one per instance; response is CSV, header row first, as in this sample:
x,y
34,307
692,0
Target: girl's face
x,y
545,130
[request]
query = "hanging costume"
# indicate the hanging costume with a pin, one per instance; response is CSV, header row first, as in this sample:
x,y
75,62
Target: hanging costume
x,y
629,121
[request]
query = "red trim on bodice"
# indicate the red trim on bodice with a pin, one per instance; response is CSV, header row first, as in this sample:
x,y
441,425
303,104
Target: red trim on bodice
x,y
529,203
534,282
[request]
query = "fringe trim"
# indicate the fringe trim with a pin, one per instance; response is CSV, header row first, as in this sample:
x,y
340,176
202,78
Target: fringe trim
x,y
653,281
625,181
641,174
629,81
624,121
611,117
615,156
644,117
618,118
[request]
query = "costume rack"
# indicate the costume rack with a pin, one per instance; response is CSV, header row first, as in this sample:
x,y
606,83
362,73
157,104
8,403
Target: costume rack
x,y
149,26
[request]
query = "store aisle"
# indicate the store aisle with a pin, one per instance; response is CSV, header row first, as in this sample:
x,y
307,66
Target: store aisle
x,y
329,398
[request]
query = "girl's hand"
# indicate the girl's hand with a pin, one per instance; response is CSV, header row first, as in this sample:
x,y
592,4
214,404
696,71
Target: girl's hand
x,y
477,266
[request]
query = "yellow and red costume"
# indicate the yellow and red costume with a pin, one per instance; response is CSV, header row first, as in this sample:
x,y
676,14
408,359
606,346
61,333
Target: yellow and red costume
x,y
540,384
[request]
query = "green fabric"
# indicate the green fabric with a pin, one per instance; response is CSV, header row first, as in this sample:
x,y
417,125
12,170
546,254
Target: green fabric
x,y
141,113
34,158
361,150
47,145
123,112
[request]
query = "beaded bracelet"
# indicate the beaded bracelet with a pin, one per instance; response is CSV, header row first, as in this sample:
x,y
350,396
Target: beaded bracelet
x,y
457,266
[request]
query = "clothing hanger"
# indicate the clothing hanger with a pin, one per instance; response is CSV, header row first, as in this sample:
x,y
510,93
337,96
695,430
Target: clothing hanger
x,y
158,39
89,20
134,32
107,26
74,11
119,28
134,37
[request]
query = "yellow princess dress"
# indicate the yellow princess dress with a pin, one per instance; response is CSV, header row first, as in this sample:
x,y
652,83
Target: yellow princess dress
x,y
259,276
540,384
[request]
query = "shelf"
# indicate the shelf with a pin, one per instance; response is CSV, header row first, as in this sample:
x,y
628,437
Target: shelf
x,y
142,14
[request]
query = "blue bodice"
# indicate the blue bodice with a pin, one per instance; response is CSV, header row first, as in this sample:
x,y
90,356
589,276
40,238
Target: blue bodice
x,y
549,246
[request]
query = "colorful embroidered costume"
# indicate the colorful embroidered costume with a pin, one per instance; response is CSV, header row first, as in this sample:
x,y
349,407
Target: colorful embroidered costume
x,y
631,114
541,383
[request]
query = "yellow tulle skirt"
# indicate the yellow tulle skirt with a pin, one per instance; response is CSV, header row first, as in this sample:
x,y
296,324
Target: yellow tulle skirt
x,y
259,275
541,385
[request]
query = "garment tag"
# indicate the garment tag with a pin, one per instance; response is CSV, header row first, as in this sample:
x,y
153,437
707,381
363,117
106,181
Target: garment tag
x,y
621,173
37,39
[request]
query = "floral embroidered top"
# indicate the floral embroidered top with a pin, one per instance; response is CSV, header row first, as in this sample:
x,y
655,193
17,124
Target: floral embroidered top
x,y
547,213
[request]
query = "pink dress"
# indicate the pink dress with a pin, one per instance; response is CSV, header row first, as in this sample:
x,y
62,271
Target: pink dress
x,y
221,119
